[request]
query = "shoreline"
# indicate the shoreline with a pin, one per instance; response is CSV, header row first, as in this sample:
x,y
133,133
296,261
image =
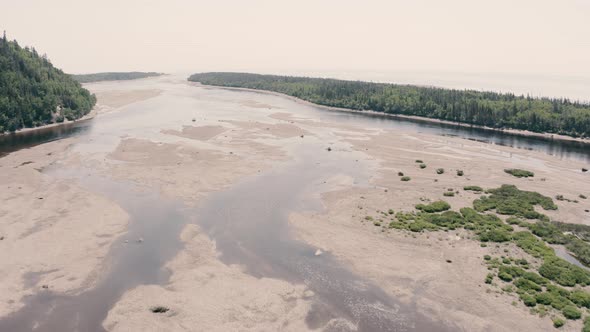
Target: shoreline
x,y
514,132
91,115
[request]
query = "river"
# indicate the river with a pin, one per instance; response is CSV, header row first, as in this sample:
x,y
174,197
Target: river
x,y
249,229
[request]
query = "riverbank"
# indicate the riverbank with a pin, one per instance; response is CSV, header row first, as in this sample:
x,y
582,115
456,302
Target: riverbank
x,y
65,123
515,132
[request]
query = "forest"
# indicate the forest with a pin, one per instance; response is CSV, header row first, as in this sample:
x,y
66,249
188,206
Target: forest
x,y
490,109
33,92
113,76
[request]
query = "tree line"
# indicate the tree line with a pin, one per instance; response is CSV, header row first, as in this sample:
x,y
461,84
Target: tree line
x,y
491,109
113,76
33,92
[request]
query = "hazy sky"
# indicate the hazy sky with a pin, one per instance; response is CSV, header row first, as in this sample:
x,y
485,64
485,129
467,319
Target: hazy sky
x,y
510,36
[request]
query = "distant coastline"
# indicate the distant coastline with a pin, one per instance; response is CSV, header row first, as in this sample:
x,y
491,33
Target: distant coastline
x,y
113,76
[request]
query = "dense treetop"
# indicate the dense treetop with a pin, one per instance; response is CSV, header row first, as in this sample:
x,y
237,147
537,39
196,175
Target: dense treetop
x,y
113,76
497,110
34,93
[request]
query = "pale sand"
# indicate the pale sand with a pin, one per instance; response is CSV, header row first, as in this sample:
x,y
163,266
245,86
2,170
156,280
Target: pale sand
x,y
108,100
55,233
206,295
202,133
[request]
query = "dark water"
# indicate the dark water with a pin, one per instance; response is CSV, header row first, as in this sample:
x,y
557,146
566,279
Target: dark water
x,y
248,221
250,226
154,221
561,149
16,141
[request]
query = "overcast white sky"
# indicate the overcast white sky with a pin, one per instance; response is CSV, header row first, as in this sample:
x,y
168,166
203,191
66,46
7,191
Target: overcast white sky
x,y
545,37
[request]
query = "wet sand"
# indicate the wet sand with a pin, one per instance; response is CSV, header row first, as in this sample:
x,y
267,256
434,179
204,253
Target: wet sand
x,y
190,162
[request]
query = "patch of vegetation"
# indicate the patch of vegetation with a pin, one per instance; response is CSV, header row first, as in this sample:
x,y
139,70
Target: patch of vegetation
x,y
558,322
113,76
400,173
563,272
509,200
473,188
418,161
422,166
449,194
460,173
519,173
571,312
437,206
406,178
440,171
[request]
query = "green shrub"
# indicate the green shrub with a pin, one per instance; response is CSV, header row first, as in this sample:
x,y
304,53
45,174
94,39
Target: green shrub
x,y
398,225
440,170
582,196
406,178
418,161
460,173
527,285
532,245
528,300
564,273
532,276
473,188
580,298
513,271
487,257
449,194
423,166
510,200
400,173
505,276
513,221
489,278
369,218
448,219
390,211
420,225
571,312
558,322
495,235
437,206
544,298
586,327
559,302
519,173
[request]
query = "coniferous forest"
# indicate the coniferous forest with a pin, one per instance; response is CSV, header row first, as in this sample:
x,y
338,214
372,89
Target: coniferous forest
x,y
33,92
491,109
113,76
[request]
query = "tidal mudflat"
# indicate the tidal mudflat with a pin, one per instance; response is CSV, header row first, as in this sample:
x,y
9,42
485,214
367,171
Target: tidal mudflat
x,y
248,211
